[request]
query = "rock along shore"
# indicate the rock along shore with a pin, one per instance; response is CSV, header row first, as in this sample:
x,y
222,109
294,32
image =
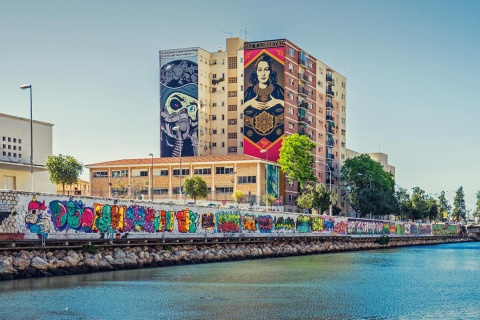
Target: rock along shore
x,y
45,263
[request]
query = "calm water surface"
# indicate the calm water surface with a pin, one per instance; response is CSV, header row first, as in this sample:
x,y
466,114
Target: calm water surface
x,y
435,282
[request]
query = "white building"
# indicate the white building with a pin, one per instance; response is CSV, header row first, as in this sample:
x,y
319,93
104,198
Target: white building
x,y
15,146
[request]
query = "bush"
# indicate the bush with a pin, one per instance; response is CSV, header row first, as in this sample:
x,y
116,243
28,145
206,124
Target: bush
x,y
92,249
383,240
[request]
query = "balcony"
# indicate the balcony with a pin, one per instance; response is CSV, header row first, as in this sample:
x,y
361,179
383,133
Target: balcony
x,y
330,92
303,77
330,142
302,118
303,105
330,129
302,91
302,129
330,156
329,79
329,117
329,105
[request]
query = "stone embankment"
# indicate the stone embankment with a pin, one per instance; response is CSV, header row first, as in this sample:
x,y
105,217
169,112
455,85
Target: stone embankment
x,y
45,263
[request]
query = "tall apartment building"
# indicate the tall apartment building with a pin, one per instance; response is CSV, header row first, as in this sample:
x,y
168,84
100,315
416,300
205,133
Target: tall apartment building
x,y
245,99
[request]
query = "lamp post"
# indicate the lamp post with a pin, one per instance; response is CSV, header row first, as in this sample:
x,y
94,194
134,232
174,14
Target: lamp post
x,y
266,178
23,87
151,183
177,128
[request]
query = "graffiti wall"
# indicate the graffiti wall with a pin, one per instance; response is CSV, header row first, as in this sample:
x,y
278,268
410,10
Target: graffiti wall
x,y
264,98
27,215
179,102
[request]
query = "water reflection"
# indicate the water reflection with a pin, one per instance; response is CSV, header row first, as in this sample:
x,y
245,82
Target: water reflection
x,y
415,282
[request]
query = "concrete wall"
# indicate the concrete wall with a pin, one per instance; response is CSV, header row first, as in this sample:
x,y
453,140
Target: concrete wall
x,y
23,215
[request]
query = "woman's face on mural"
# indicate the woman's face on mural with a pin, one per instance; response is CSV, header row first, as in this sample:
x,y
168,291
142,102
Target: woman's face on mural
x,y
263,72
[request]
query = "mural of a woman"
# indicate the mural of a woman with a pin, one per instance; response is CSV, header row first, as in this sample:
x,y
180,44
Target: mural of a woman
x,y
264,103
264,92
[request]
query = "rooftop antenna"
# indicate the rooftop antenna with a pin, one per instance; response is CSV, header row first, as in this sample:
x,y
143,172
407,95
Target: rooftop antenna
x,y
246,33
230,33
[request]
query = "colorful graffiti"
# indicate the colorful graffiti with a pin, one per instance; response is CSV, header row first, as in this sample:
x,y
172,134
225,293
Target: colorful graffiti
x,y
67,215
228,221
35,220
187,221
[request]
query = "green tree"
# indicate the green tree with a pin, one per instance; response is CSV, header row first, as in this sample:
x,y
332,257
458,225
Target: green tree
x,y
239,196
64,170
476,212
459,208
319,198
361,173
404,203
196,187
443,207
296,159
271,199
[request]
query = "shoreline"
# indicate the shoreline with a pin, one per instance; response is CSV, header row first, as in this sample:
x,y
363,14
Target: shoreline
x,y
23,264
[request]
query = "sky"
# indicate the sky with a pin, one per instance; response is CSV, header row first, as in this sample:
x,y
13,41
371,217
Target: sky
x,y
412,69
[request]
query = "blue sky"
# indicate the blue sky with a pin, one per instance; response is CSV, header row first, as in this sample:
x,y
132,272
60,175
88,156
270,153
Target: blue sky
x,y
412,69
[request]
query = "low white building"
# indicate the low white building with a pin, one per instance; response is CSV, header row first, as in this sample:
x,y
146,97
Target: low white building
x,y
15,146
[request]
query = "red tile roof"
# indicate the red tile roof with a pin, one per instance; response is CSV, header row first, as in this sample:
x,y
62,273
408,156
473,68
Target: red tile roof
x,y
171,160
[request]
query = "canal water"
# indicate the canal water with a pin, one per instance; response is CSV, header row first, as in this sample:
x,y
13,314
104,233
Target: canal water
x,y
427,282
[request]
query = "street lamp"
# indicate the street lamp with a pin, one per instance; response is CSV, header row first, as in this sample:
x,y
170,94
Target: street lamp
x,y
177,128
151,183
23,87
266,178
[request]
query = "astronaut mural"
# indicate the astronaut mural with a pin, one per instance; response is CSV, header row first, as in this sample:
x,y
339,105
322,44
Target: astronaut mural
x,y
179,103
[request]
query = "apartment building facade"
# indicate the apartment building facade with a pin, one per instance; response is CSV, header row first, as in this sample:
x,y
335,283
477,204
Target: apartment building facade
x,y
245,99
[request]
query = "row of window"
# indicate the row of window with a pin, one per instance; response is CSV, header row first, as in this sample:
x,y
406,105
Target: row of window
x,y
10,139
10,147
176,172
9,154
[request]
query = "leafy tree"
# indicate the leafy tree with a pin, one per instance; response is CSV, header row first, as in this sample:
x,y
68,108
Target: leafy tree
x,y
239,196
136,188
64,170
476,213
320,198
360,173
196,187
459,208
404,203
419,204
443,207
271,199
433,208
296,159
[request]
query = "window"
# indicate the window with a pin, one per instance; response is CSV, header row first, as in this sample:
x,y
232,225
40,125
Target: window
x,y
232,94
160,191
176,190
202,171
343,132
214,76
144,173
185,172
163,173
223,117
343,144
290,95
223,189
214,104
291,197
232,107
232,149
232,79
214,117
232,135
214,144
232,62
224,170
100,174
223,131
232,121
291,125
214,131
291,52
247,179
119,173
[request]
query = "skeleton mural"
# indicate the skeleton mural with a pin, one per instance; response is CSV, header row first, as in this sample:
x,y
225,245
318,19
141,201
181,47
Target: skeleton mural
x,y
179,106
